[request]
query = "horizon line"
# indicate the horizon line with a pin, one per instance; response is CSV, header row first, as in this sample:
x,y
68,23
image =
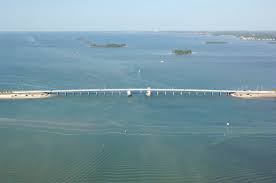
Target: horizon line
x,y
229,30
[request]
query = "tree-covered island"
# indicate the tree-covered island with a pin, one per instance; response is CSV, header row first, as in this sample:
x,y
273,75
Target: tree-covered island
x,y
112,45
216,42
182,52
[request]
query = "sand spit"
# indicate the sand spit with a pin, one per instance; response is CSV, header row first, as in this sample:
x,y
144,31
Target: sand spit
x,y
271,94
11,95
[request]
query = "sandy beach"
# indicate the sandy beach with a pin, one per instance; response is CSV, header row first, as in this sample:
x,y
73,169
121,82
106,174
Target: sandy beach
x,y
24,95
271,94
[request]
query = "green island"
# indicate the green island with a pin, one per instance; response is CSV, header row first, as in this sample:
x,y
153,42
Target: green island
x,y
249,35
112,45
182,52
216,42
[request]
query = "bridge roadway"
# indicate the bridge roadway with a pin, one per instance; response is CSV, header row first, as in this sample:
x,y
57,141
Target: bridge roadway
x,y
147,91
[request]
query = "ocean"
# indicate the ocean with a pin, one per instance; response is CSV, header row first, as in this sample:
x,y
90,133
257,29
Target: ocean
x,y
104,139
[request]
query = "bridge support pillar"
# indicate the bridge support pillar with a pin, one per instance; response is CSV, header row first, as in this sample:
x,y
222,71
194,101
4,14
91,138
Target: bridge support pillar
x,y
148,92
129,94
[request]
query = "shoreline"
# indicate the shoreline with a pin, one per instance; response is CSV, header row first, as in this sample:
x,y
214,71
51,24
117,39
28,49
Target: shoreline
x,y
25,95
271,94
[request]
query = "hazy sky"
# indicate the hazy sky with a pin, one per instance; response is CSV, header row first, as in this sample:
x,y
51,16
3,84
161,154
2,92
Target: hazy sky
x,y
89,15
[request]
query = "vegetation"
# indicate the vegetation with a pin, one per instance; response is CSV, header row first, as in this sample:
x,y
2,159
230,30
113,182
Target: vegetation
x,y
216,42
112,45
182,52
249,35
94,45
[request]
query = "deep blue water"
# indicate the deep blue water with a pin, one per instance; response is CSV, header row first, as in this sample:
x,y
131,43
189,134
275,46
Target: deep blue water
x,y
169,138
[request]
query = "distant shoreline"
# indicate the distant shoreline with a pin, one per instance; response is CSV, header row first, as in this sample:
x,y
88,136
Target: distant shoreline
x,y
11,95
271,94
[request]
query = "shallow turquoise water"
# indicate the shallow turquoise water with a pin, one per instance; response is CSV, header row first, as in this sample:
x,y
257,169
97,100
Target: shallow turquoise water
x,y
167,138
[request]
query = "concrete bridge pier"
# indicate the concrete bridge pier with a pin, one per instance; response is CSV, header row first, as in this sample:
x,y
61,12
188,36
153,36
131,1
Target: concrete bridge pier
x,y
148,92
129,94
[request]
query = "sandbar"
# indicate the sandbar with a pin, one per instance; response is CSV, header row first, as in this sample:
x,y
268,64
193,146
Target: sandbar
x,y
271,94
11,95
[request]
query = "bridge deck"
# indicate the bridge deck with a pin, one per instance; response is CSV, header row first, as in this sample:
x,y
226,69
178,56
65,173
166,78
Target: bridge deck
x,y
142,90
